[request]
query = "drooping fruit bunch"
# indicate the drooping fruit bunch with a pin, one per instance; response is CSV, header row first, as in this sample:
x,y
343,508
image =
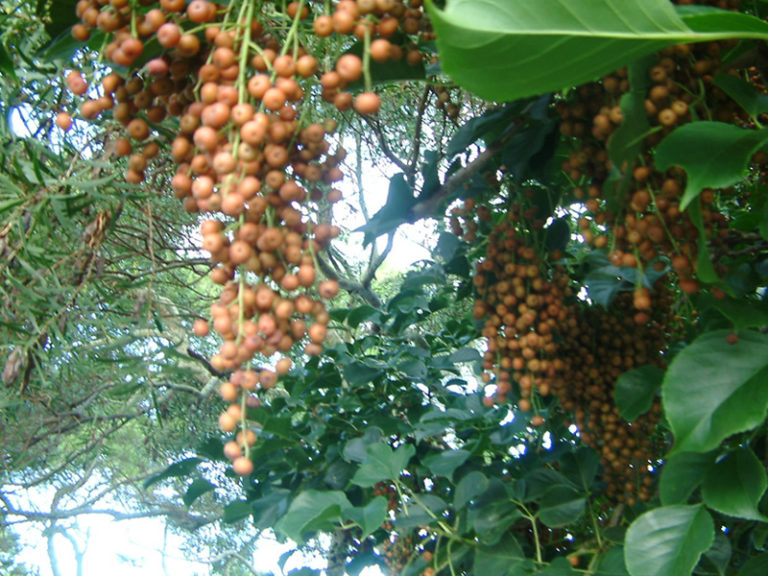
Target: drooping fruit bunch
x,y
598,345
522,303
239,83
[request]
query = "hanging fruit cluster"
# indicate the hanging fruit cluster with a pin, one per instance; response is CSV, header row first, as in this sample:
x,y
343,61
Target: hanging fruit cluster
x,y
522,304
239,81
597,346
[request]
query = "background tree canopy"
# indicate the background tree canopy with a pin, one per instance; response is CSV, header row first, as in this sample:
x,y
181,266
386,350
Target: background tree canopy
x,y
201,322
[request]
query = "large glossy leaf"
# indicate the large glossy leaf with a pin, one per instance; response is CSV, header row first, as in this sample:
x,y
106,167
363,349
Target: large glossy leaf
x,y
509,49
735,485
713,155
713,389
668,541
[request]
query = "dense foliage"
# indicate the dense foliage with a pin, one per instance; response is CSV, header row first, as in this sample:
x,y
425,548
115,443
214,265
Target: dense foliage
x,y
196,320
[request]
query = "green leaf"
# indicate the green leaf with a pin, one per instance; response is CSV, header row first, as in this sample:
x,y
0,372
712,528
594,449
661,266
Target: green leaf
x,y
757,566
465,355
561,506
270,508
500,560
705,270
713,389
744,313
236,511
742,92
180,468
6,64
612,563
446,462
735,484
358,374
472,485
62,16
558,234
383,463
396,211
636,389
492,513
355,449
627,141
312,510
580,467
668,541
682,474
719,554
713,155
198,487
559,43
480,126
535,484
361,314
370,517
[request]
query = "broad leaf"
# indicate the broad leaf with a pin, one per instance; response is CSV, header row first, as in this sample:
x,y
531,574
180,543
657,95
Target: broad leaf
x,y
270,508
718,556
180,468
236,511
312,510
743,92
682,474
744,313
383,463
668,541
509,49
636,389
502,559
626,142
472,485
580,467
396,211
713,389
492,513
444,463
6,64
713,155
612,563
198,487
369,517
757,566
561,506
734,485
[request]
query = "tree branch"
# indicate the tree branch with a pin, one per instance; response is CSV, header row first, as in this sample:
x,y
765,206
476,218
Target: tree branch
x,y
350,286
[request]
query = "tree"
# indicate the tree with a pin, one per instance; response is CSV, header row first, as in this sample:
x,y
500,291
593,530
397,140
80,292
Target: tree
x,y
575,382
